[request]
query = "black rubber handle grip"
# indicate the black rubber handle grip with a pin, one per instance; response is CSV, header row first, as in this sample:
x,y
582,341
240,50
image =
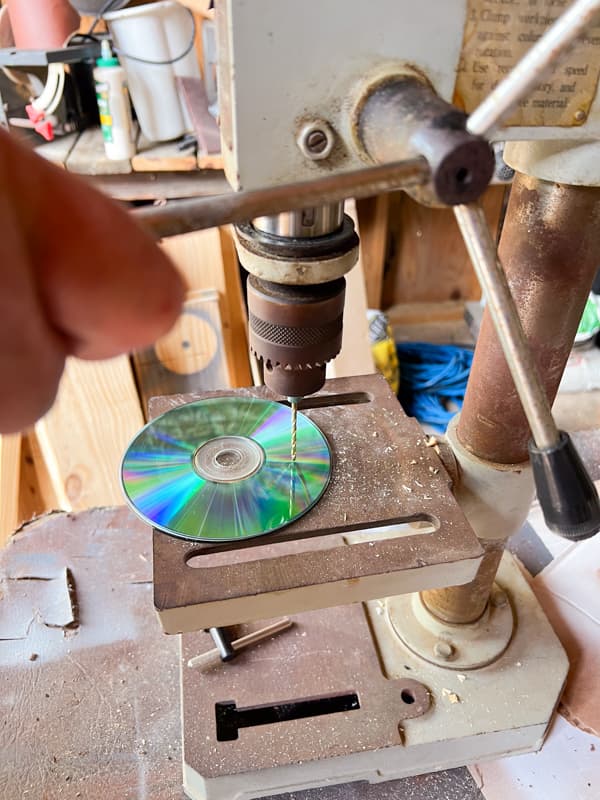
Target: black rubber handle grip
x,y
567,495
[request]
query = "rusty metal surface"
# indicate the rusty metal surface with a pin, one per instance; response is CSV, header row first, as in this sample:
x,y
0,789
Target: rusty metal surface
x,y
507,325
465,604
549,249
326,652
295,330
383,473
198,213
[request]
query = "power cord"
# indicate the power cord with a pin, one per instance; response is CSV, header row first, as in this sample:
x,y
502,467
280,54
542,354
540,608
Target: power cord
x,y
433,378
109,5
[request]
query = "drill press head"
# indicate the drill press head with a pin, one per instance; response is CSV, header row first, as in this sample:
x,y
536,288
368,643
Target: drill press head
x,y
296,293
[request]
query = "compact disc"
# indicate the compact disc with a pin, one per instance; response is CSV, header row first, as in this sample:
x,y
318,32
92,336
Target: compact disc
x,y
220,469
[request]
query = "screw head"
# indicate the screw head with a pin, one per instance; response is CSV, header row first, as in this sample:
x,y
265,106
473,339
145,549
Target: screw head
x,y
580,116
443,650
316,140
498,598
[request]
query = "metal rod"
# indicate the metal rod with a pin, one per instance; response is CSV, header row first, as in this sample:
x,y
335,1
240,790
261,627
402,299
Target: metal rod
x,y
213,657
531,68
198,213
479,243
547,268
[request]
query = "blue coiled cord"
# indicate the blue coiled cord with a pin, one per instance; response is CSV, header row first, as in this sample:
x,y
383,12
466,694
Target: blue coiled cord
x,y
432,376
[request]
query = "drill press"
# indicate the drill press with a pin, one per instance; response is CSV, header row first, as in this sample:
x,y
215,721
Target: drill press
x,y
416,647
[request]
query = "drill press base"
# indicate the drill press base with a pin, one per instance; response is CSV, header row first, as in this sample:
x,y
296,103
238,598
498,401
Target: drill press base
x,y
501,709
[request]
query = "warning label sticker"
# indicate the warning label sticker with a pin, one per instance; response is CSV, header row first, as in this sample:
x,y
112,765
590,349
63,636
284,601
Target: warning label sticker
x,y
498,33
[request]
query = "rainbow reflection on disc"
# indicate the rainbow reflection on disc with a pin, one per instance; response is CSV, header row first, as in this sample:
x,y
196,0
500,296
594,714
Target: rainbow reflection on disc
x,y
220,469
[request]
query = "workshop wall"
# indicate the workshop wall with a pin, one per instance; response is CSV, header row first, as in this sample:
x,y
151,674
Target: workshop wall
x,y
426,260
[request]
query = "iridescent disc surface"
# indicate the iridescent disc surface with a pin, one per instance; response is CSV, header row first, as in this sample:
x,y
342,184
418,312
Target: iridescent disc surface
x,y
220,469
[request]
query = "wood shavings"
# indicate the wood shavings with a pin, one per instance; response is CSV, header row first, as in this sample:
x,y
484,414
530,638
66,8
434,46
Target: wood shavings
x,y
450,695
431,441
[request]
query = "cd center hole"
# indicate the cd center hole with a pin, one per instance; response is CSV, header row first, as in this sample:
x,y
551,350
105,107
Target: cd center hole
x,y
228,458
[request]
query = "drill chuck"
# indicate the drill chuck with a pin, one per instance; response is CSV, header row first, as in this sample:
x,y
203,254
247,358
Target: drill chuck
x,y
295,330
296,293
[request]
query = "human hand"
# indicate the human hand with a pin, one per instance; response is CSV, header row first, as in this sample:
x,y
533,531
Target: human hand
x,y
78,277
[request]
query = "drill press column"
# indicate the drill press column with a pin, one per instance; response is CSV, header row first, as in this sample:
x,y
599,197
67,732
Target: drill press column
x,y
550,262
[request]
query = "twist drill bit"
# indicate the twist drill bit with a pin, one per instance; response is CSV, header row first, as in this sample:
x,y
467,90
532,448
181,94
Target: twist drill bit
x,y
294,404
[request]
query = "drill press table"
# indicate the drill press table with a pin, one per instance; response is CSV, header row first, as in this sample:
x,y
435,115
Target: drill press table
x,y
88,677
89,685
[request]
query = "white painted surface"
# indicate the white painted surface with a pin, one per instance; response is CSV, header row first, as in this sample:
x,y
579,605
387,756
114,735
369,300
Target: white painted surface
x,y
495,498
292,62
566,768
503,708
576,163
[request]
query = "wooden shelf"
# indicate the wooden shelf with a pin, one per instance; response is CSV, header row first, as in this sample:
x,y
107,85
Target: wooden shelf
x,y
84,153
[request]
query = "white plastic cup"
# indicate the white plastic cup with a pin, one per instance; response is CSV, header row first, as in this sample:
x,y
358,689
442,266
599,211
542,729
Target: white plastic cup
x,y
156,32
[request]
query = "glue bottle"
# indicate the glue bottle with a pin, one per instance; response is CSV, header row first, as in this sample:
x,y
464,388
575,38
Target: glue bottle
x,y
114,105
